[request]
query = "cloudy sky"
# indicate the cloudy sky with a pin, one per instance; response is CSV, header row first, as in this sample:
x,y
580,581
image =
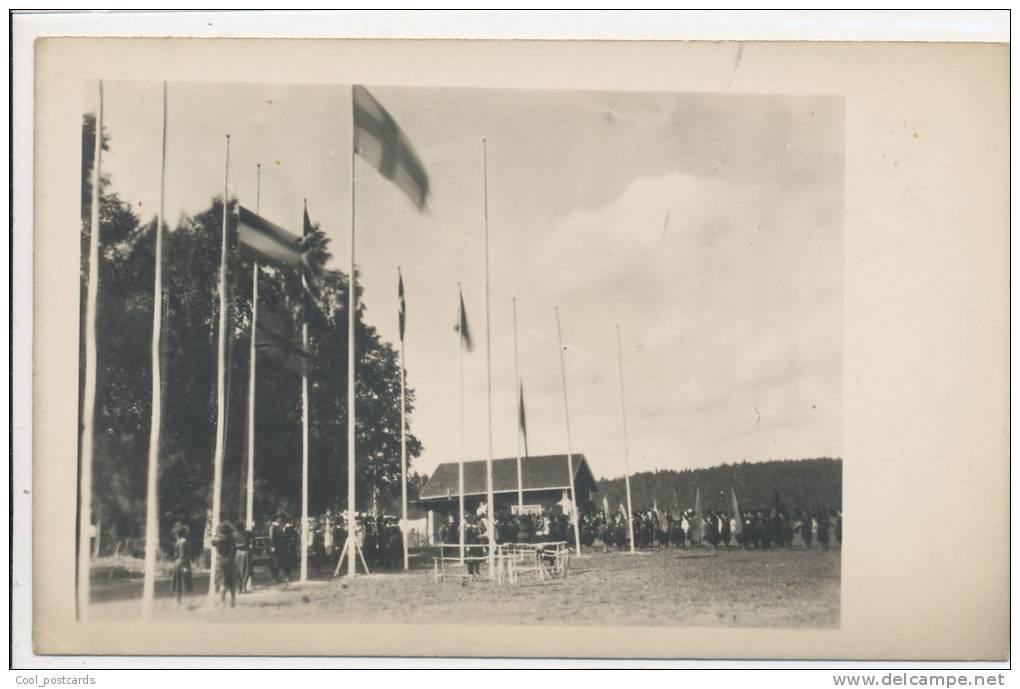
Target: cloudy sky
x,y
708,226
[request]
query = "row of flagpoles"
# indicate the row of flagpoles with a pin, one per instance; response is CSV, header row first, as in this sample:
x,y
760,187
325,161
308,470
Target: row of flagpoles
x,y
378,140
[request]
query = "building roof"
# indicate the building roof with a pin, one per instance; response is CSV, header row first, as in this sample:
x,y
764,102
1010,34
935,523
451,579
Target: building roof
x,y
548,472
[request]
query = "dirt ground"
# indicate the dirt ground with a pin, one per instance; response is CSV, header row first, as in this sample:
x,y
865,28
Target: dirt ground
x,y
768,588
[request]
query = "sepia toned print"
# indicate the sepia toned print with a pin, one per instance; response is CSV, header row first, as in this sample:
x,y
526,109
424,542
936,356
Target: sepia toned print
x,y
670,457
728,275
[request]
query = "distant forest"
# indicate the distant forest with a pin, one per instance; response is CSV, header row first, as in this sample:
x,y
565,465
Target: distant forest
x,y
808,483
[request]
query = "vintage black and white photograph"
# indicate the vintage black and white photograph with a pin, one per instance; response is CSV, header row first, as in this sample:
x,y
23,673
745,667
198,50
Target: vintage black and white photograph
x,y
377,354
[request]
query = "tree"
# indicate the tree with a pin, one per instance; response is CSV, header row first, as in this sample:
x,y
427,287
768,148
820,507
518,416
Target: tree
x,y
191,265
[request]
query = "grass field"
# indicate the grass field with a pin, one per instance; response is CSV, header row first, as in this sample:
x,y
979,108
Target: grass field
x,y
768,588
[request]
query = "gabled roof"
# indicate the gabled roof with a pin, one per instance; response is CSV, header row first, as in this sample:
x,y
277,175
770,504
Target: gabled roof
x,y
548,472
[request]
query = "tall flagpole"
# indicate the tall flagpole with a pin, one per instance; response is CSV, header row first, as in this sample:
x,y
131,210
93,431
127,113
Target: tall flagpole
x,y
221,355
517,377
151,492
304,425
570,457
352,318
460,464
89,400
403,443
626,456
249,510
491,530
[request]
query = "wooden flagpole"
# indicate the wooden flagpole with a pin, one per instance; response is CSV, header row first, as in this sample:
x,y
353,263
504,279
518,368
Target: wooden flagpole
x,y
304,426
352,548
626,456
517,378
221,352
249,510
151,491
491,530
460,464
403,442
88,416
570,457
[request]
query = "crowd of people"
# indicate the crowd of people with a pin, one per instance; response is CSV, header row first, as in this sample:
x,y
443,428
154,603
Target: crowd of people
x,y
278,541
757,528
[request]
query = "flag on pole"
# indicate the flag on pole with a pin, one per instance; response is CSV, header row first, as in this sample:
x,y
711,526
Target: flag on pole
x,y
660,518
462,326
379,140
523,421
738,520
269,243
307,229
699,520
623,511
605,505
403,305
277,338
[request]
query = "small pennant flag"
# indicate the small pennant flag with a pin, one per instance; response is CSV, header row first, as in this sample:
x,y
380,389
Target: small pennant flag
x,y
523,421
307,229
462,325
660,517
380,142
699,521
403,306
738,520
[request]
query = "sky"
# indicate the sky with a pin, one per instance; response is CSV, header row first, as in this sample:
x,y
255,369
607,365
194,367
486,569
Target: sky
x,y
708,226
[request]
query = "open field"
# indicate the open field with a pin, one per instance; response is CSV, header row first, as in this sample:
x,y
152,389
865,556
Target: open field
x,y
770,588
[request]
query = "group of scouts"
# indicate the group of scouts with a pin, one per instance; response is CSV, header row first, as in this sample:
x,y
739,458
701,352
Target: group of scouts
x,y
234,565
236,549
761,528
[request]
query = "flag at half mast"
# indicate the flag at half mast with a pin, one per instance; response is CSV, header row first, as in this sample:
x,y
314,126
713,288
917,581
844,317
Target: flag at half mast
x,y
268,243
462,325
403,305
522,420
379,140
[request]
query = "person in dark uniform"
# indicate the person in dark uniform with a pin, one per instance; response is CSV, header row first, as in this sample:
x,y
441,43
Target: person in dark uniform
x,y
226,564
277,545
245,544
182,562
727,534
291,549
806,531
712,526
472,536
823,530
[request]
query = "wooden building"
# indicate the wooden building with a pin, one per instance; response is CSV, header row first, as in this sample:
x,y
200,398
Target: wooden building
x,y
544,480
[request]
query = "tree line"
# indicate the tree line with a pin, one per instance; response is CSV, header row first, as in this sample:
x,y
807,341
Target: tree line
x,y
803,483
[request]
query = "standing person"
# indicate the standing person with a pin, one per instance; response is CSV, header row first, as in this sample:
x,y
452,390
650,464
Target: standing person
x,y
182,562
806,532
207,538
245,544
472,536
727,530
823,530
290,555
327,536
277,545
226,552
